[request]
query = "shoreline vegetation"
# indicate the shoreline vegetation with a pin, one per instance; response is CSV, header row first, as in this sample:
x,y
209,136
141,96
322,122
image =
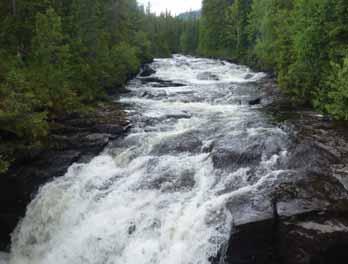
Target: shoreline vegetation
x,y
303,42
62,61
62,64
59,58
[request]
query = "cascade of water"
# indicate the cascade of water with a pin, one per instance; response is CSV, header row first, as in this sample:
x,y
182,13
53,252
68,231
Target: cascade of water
x,y
162,195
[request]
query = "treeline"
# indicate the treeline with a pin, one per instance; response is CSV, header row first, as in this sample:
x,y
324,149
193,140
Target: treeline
x,y
61,56
305,42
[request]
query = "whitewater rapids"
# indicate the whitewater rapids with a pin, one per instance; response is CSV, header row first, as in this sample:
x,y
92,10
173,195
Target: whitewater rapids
x,y
162,194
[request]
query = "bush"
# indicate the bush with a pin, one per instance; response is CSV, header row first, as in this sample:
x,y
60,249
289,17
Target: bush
x,y
337,95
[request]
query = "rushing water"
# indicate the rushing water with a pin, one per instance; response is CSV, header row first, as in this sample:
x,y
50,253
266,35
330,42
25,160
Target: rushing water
x,y
164,194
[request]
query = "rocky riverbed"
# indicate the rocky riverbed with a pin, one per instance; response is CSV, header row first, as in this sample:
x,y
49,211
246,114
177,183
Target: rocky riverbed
x,y
74,138
307,206
218,167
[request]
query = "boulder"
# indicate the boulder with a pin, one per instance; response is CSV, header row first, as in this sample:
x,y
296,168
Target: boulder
x,y
308,238
256,101
159,83
147,71
248,76
178,144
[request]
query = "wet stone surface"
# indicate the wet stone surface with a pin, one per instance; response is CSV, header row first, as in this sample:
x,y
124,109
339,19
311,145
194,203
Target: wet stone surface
x,y
215,169
74,138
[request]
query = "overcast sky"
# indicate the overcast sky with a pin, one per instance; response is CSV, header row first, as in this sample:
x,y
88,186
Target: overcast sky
x,y
175,6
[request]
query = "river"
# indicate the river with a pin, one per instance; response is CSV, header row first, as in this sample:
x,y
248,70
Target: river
x,y
170,192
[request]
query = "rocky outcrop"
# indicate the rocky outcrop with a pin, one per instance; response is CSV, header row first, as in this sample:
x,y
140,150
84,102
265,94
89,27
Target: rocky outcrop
x,y
74,138
177,144
146,71
256,101
299,213
308,238
159,83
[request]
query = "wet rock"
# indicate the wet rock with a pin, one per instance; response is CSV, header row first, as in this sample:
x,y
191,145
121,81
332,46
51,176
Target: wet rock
x,y
224,158
132,228
147,71
309,238
294,192
207,76
110,129
167,84
174,182
245,150
310,225
154,95
151,80
178,144
248,76
159,83
256,101
179,115
96,140
74,138
295,216
312,156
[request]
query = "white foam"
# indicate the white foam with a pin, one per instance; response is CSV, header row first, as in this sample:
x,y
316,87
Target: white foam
x,y
4,258
327,227
188,71
130,206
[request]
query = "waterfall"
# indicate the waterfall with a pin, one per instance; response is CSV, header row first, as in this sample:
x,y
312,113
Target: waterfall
x,y
166,193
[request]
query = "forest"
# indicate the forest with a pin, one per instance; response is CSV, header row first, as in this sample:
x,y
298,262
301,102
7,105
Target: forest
x,y
303,42
62,56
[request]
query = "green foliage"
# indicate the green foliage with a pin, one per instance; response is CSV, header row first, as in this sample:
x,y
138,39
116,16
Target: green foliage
x,y
143,46
189,36
58,57
3,165
213,41
20,109
337,92
23,122
51,64
303,41
20,113
125,61
237,21
264,20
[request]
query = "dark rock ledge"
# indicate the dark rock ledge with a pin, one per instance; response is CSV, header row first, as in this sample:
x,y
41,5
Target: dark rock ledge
x,y
300,216
74,138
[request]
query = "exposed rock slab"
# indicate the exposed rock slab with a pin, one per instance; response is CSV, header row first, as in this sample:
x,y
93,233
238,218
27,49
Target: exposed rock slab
x,y
298,214
74,138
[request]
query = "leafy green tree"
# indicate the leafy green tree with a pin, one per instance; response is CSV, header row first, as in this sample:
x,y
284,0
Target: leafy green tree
x,y
51,57
189,36
334,99
58,55
237,31
213,41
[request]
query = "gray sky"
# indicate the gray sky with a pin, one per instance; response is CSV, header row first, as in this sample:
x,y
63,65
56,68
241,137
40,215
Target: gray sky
x,y
175,6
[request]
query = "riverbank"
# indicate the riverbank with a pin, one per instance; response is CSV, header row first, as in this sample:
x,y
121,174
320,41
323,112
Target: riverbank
x,y
73,138
279,171
304,220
